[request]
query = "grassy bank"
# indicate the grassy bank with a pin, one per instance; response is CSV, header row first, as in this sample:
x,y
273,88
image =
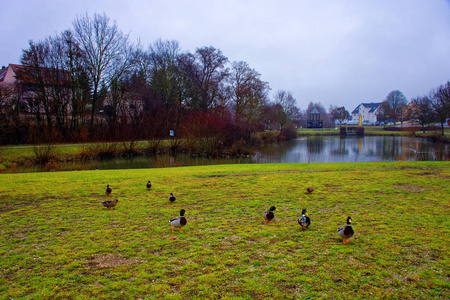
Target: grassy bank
x,y
58,242
29,155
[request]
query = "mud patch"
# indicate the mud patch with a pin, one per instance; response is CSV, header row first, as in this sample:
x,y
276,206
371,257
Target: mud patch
x,y
112,261
410,188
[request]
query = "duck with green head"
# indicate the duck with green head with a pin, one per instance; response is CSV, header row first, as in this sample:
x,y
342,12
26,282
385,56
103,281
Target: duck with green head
x,y
304,220
346,232
149,185
178,222
269,215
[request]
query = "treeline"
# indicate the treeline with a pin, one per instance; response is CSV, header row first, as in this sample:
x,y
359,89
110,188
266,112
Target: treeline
x,y
90,83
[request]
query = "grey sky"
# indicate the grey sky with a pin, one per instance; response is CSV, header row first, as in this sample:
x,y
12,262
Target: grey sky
x,y
328,51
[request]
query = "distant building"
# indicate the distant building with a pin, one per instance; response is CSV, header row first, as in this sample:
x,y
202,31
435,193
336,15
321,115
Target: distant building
x,y
314,120
367,111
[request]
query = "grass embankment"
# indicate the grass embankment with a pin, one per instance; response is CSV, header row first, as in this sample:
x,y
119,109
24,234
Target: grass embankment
x,y
58,242
11,156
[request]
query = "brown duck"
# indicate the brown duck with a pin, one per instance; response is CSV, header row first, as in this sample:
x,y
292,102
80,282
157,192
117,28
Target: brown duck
x,y
110,203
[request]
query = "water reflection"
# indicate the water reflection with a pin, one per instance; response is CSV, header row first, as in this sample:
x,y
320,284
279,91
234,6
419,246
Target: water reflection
x,y
353,149
303,150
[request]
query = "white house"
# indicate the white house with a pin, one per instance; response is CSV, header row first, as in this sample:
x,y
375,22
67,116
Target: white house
x,y
367,111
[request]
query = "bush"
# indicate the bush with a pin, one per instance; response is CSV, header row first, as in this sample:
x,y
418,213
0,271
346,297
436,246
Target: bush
x,y
205,133
240,148
288,132
43,154
51,166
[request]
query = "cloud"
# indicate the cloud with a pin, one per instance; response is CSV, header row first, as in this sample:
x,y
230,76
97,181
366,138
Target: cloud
x,y
333,52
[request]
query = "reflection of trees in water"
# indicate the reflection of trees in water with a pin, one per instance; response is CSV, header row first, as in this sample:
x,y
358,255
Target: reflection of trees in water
x,y
315,144
310,150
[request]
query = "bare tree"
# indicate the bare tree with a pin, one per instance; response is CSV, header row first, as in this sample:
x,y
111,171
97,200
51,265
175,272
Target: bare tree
x,y
166,80
247,92
286,104
423,110
339,113
396,102
206,71
440,99
107,52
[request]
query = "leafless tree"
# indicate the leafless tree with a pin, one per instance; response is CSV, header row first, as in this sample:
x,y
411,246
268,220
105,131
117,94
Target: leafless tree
x,y
286,104
339,113
107,50
247,92
206,71
396,102
440,101
422,110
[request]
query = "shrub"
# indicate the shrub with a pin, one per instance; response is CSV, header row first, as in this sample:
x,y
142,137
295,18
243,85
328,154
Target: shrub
x,y
106,150
152,146
287,133
43,154
205,133
51,166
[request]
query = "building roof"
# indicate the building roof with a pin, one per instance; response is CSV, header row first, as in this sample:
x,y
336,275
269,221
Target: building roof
x,y
372,105
14,69
50,76
3,74
314,112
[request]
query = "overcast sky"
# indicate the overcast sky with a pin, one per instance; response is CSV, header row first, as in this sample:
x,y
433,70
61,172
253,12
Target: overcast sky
x,y
327,51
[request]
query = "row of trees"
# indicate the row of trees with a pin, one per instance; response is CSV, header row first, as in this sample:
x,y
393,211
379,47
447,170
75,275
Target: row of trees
x,y
431,108
91,83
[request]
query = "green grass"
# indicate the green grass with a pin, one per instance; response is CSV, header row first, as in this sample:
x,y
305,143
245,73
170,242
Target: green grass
x,y
58,242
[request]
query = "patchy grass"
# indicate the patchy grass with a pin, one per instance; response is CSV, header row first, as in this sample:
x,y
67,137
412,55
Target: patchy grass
x,y
58,242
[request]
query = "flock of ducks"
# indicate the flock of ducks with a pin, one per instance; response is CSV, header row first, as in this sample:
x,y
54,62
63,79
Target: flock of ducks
x,y
304,221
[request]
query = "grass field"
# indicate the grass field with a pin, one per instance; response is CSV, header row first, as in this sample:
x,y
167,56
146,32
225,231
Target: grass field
x,y
58,242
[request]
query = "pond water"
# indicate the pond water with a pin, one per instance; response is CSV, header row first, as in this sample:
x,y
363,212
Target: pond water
x,y
303,150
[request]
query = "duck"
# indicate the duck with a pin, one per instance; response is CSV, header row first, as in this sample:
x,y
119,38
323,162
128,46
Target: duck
x,y
304,220
269,215
172,198
108,191
110,203
178,222
149,185
309,189
346,232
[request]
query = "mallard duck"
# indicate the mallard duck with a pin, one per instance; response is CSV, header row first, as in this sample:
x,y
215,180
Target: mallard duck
x,y
149,185
304,220
346,231
269,215
178,222
110,203
108,191
172,198
309,189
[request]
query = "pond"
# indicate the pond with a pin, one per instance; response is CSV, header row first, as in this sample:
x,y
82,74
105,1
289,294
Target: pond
x,y
303,150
